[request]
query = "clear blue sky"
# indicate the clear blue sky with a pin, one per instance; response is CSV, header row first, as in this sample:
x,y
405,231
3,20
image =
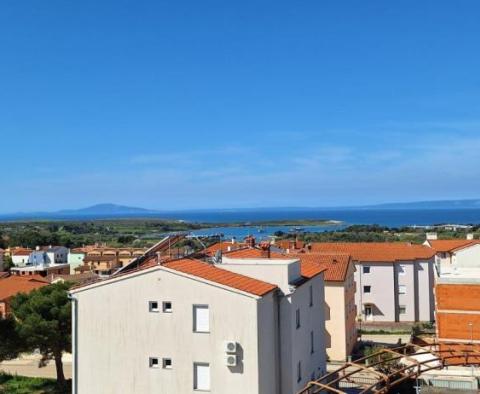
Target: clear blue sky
x,y
203,104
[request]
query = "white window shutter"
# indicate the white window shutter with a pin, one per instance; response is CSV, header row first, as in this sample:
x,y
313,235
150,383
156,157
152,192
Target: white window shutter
x,y
202,377
202,318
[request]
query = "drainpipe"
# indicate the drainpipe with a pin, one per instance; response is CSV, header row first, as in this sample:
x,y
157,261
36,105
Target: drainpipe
x,y
278,298
74,343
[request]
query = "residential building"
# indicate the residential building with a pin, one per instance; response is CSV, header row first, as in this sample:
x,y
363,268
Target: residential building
x,y
105,261
394,280
340,309
19,256
450,253
42,270
11,285
76,258
184,326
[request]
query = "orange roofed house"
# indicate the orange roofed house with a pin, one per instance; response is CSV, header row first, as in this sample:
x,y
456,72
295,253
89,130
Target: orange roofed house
x,y
187,326
340,309
394,280
13,285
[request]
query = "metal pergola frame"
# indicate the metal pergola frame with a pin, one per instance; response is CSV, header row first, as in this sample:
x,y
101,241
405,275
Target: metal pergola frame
x,y
398,373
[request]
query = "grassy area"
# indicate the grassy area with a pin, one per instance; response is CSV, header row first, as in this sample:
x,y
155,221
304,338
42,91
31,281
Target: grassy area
x,y
12,384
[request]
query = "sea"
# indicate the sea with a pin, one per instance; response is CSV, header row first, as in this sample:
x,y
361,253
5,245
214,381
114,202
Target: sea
x,y
246,219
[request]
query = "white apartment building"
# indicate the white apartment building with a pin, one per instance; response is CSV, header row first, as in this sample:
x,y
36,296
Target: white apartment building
x,y
454,253
394,280
186,326
340,310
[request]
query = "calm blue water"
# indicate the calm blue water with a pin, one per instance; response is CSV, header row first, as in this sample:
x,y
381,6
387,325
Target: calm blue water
x,y
390,218
385,217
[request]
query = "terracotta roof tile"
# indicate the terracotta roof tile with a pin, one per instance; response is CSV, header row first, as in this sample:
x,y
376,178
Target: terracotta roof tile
x,y
450,245
224,246
376,251
14,284
335,265
204,271
227,278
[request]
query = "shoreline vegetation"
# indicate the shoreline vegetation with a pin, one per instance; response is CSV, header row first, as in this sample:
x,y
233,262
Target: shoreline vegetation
x,y
144,233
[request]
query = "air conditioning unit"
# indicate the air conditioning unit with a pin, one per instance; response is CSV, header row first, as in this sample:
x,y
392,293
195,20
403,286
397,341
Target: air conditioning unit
x,y
231,360
230,347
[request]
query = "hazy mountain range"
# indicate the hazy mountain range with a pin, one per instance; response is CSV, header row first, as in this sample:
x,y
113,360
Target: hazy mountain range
x,y
114,210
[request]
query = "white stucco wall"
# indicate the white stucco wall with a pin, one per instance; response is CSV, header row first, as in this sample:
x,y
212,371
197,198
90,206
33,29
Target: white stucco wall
x,y
467,257
117,334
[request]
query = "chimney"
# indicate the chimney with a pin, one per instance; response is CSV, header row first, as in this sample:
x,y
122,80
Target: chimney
x,y
37,247
234,240
159,260
431,236
265,246
250,241
470,236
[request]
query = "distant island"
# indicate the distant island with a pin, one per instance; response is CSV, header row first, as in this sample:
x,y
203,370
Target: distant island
x,y
260,216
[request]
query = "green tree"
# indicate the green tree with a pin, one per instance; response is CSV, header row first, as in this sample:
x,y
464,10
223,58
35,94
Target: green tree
x,y
43,321
10,343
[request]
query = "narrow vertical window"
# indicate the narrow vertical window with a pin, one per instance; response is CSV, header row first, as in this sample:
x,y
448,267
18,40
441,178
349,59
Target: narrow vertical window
x,y
299,371
201,376
311,295
201,318
297,318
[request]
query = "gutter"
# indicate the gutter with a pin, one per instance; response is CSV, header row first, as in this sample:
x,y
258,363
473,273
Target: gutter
x,y
74,343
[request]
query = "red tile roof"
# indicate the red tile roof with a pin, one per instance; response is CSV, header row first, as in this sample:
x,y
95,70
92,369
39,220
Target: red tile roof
x,y
255,253
450,245
227,278
14,284
22,252
376,251
223,246
202,270
334,265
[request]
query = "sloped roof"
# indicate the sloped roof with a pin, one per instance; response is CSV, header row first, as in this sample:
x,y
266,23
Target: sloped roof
x,y
14,284
335,265
204,271
450,245
255,253
227,278
376,251
224,246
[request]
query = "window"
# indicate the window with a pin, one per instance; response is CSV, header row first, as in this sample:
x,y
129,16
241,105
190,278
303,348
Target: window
x,y
201,318
201,376
167,363
402,309
367,289
401,269
402,289
312,349
297,318
366,270
311,295
153,362
153,306
167,306
299,371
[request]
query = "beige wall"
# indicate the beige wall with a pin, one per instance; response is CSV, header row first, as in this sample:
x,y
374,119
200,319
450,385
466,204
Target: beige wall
x,y
341,333
117,336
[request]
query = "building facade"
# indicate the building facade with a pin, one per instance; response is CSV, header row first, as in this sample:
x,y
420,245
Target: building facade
x,y
185,326
394,281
